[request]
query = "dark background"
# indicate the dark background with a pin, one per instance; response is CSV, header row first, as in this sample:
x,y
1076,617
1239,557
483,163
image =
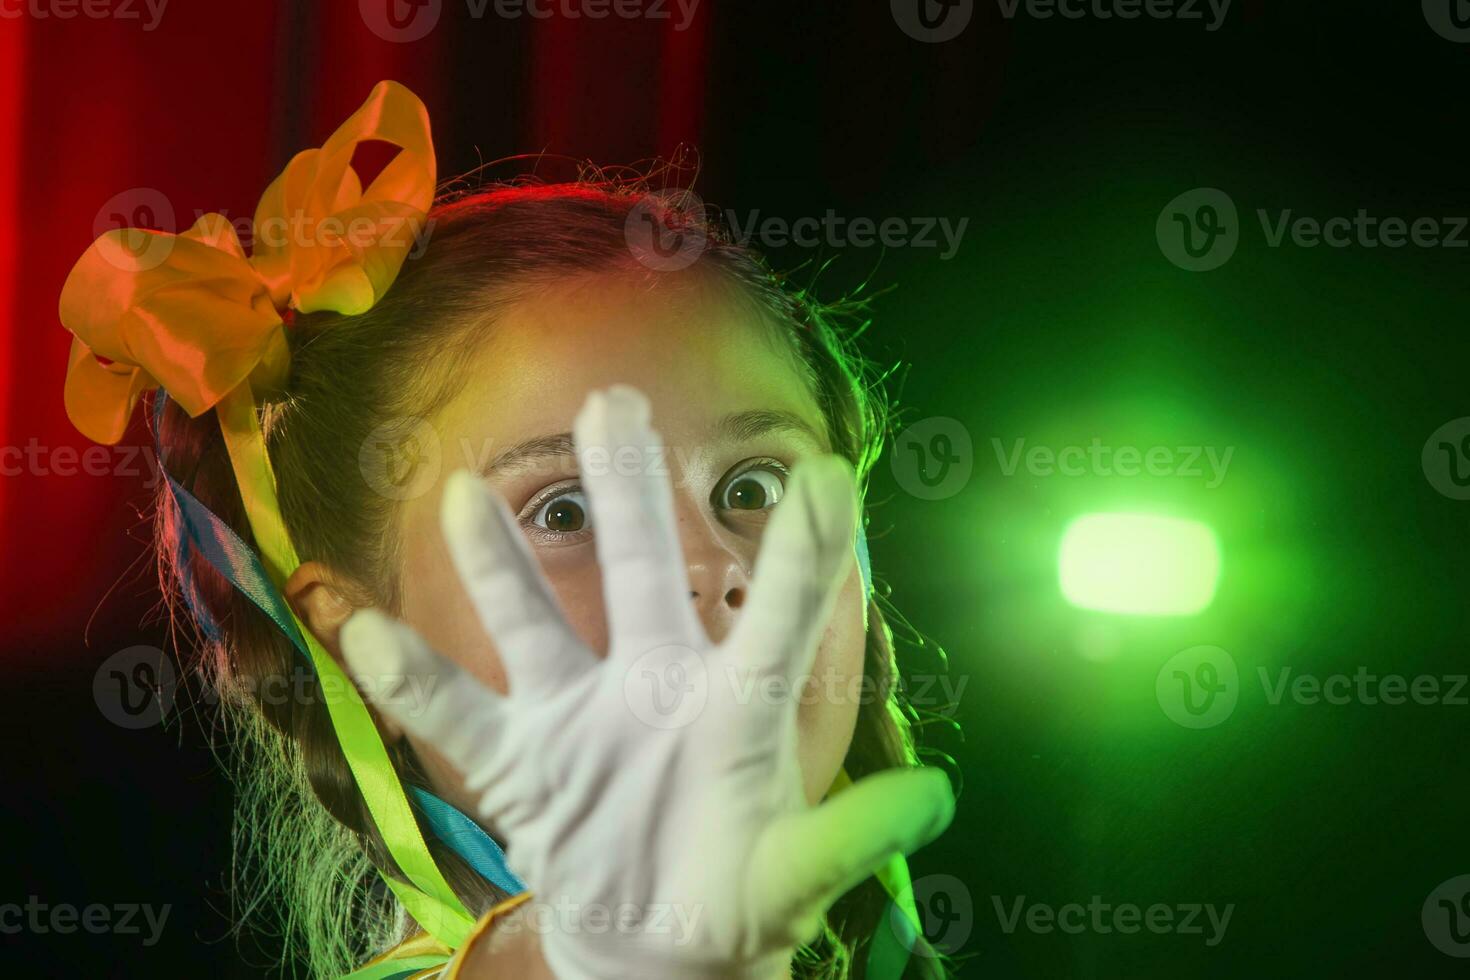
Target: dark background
x,y
1058,320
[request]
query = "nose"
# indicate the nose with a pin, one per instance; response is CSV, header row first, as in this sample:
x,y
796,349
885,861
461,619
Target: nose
x,y
719,564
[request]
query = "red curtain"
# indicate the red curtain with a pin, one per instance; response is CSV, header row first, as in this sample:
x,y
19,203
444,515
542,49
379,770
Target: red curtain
x,y
197,112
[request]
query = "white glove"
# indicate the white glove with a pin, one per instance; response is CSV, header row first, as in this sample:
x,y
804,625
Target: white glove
x,y
615,805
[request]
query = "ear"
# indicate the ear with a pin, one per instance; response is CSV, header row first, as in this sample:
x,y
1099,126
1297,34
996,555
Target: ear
x,y
318,596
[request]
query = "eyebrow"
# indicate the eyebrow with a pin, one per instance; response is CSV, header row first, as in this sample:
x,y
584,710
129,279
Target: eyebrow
x,y
735,427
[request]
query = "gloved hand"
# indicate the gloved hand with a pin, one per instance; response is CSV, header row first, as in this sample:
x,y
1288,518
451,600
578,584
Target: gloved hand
x,y
662,819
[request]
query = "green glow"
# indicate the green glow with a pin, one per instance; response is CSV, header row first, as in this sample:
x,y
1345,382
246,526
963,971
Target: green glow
x,y
1139,565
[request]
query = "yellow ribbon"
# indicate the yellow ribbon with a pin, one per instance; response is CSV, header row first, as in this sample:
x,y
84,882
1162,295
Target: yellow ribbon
x,y
191,313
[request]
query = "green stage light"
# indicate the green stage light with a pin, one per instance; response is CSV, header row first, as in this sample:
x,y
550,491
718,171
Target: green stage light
x,y
1139,564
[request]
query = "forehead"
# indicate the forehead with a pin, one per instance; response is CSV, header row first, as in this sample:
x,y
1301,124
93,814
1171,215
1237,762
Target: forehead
x,y
692,348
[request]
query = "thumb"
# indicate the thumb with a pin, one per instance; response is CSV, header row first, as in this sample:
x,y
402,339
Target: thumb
x,y
807,860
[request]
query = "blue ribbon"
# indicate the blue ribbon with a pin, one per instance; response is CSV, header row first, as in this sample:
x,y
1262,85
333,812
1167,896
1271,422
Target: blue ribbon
x,y
467,839
218,543
865,566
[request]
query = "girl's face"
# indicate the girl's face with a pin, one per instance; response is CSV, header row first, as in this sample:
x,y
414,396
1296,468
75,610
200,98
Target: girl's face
x,y
734,415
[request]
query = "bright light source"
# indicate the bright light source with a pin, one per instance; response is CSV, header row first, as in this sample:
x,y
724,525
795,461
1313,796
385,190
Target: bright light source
x,y
1139,565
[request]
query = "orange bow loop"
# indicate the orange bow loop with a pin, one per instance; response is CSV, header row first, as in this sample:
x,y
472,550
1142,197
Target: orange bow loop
x,y
197,322
192,314
323,242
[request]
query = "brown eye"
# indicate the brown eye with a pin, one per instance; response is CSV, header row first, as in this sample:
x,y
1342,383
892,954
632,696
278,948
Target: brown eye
x,y
565,513
753,490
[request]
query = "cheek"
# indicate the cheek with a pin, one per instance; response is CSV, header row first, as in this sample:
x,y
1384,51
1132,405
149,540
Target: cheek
x,y
436,604
576,581
829,706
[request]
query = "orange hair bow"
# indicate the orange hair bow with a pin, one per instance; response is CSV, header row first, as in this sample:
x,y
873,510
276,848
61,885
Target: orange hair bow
x,y
192,314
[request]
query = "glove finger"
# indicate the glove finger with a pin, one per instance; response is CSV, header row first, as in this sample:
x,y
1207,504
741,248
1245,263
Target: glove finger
x,y
644,581
807,860
804,556
430,697
510,594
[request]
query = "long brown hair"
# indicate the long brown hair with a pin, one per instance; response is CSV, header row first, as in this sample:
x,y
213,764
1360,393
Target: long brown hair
x,y
307,854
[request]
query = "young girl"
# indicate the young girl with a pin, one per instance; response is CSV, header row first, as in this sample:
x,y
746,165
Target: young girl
x,y
581,523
